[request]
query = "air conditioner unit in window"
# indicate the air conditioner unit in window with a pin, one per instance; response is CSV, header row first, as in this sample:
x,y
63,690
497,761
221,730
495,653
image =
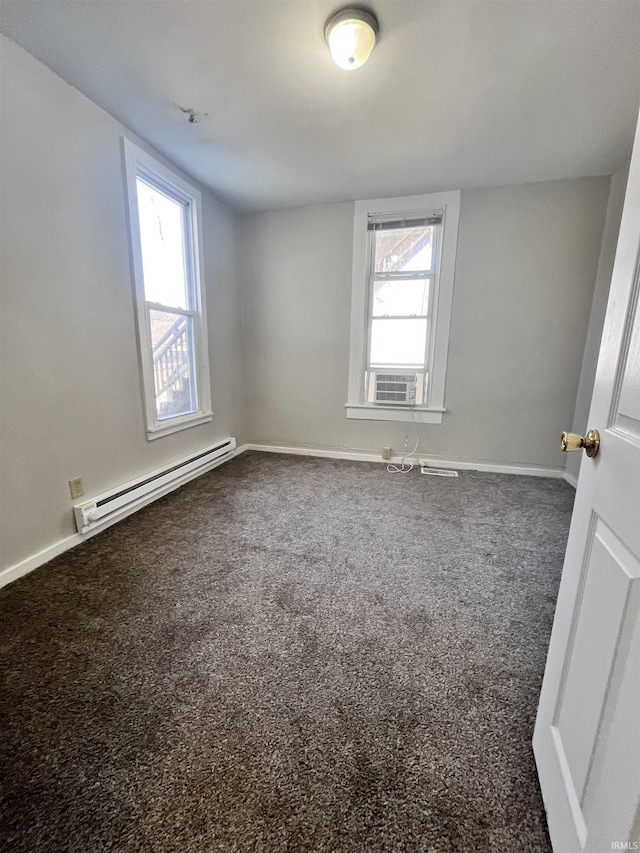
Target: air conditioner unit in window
x,y
395,389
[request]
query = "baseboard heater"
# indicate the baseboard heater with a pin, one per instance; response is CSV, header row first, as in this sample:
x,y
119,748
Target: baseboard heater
x,y
125,499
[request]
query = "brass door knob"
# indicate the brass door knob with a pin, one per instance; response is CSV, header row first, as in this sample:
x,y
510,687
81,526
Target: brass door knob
x,y
590,442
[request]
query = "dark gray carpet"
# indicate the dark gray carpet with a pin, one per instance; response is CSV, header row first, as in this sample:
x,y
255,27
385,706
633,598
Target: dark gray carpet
x,y
288,654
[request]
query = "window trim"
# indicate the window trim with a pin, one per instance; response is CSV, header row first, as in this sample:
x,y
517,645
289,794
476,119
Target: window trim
x,y
138,163
448,203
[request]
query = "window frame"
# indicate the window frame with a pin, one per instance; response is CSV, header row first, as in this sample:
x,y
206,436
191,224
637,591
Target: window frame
x,y
448,205
140,164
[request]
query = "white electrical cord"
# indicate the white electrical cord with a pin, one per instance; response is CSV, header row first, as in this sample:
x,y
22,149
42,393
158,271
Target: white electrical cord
x,y
404,469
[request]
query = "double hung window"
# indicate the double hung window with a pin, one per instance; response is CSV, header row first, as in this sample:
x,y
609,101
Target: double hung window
x,y
403,258
164,216
403,270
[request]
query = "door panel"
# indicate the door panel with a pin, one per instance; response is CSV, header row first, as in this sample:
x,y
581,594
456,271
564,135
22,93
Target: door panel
x,y
600,613
611,761
627,411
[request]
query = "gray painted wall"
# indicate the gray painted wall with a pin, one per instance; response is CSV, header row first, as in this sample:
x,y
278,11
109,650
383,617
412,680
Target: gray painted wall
x,y
525,274
598,310
71,400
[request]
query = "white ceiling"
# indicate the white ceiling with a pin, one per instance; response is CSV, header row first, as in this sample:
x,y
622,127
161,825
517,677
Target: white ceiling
x,y
455,95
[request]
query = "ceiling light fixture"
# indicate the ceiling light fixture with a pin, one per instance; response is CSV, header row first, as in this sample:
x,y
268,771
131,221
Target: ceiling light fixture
x,y
351,35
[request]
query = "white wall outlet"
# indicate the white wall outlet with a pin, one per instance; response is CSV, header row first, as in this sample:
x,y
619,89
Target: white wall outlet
x,y
386,453
76,488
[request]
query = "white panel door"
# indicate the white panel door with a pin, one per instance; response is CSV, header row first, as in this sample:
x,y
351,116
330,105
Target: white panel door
x,y
587,734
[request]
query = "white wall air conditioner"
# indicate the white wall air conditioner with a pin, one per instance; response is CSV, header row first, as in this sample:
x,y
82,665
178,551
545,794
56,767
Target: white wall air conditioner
x,y
395,389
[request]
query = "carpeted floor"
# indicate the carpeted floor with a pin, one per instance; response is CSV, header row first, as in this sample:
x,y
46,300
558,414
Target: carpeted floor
x,y
288,654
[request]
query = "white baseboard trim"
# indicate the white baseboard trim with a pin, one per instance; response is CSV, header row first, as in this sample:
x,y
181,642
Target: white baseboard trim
x,y
12,573
16,571
569,478
368,456
353,455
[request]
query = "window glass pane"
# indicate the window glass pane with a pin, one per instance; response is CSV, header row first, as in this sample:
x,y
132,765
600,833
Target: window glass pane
x,y
398,342
402,249
393,298
173,363
162,243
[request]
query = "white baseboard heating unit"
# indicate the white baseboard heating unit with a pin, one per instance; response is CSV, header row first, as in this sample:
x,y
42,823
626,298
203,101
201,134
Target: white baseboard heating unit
x,y
125,499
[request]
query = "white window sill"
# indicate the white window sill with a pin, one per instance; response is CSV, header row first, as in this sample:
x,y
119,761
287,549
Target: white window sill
x,y
176,424
370,412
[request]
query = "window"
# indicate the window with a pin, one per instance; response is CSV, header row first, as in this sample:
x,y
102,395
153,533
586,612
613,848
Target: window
x,y
164,220
403,266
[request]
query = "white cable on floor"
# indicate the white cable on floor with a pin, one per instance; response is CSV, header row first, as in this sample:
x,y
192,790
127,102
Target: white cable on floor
x,y
403,469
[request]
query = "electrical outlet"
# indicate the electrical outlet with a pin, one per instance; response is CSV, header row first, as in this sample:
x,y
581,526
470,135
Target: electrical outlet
x,y
76,488
406,442
386,453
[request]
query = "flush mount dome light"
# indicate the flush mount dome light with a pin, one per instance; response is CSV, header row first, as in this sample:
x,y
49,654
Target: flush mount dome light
x,y
351,35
